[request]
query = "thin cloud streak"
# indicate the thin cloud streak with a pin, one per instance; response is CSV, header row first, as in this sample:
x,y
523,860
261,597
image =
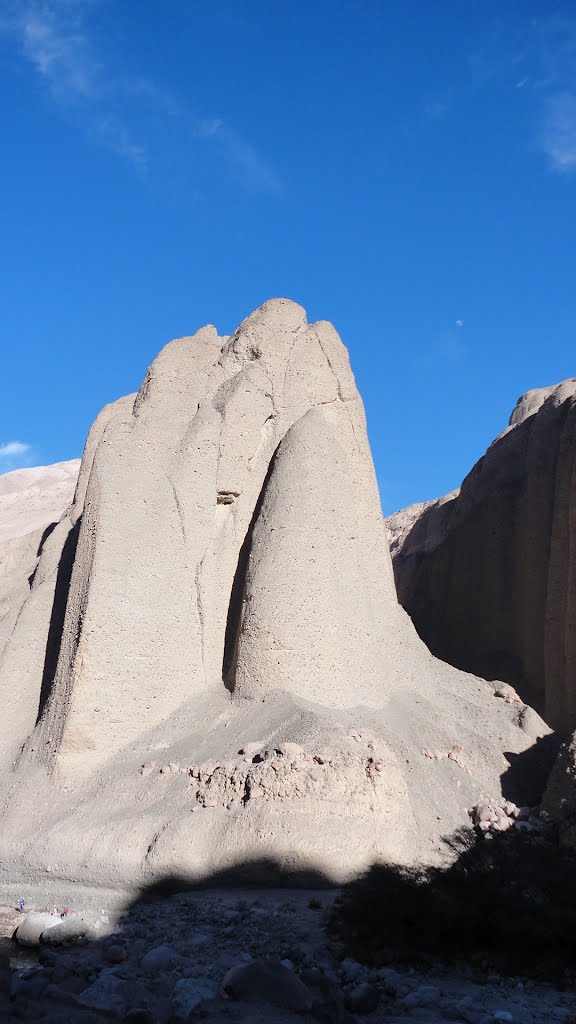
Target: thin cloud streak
x,y
559,136
538,60
53,41
238,152
555,87
54,37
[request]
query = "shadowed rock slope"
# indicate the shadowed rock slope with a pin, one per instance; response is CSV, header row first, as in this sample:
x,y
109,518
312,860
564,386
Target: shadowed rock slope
x,y
211,666
488,574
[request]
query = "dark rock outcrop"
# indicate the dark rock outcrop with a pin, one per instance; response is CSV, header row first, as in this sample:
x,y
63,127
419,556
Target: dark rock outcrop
x,y
488,574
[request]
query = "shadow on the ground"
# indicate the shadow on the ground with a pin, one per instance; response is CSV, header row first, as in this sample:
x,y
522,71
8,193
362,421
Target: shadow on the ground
x,y
507,904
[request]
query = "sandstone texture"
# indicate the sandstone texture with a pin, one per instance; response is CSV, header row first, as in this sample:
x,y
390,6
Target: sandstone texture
x,y
559,800
210,672
487,573
31,502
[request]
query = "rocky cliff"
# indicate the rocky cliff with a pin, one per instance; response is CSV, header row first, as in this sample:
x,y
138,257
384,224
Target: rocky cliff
x,y
211,669
488,574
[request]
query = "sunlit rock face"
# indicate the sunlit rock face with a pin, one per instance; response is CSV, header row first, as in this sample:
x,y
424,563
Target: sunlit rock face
x,y
488,573
31,503
210,667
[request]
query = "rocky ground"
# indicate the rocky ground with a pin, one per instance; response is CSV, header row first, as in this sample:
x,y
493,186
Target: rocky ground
x,y
238,956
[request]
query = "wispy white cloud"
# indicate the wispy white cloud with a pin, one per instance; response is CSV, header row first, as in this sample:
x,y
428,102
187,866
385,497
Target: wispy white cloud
x,y
559,132
54,37
240,154
537,58
123,111
556,88
15,455
11,449
53,40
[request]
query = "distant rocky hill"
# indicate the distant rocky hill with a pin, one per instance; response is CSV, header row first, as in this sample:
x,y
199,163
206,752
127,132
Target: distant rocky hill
x,y
210,670
488,573
31,499
31,503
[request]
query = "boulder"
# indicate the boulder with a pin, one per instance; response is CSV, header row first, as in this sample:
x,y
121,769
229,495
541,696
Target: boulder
x,y
66,930
34,926
107,994
160,958
188,995
267,981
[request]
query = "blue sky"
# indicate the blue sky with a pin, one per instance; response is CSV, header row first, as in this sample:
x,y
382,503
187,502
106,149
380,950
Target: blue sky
x,y
406,169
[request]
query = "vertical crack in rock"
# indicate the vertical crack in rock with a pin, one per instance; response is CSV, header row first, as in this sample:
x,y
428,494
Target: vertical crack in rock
x,y
234,616
56,626
327,358
198,587
178,510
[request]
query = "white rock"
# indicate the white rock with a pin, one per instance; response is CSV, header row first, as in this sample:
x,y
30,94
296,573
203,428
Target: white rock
x,y
33,926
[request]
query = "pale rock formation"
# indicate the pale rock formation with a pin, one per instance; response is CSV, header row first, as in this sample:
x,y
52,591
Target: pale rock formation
x,y
32,499
31,503
211,671
317,616
487,573
425,531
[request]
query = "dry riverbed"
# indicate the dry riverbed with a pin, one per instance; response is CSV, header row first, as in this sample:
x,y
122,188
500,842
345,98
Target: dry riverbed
x,y
234,956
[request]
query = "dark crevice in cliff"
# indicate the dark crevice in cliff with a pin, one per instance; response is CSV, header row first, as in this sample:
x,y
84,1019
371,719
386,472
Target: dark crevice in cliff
x,y
56,626
234,616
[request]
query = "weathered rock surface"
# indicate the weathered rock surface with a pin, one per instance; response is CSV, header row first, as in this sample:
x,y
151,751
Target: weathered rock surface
x,y
32,501
211,671
559,800
487,573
